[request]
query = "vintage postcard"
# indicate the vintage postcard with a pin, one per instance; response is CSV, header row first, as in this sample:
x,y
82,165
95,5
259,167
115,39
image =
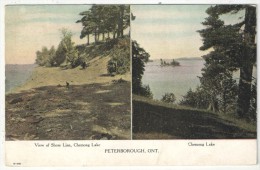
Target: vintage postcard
x,y
130,84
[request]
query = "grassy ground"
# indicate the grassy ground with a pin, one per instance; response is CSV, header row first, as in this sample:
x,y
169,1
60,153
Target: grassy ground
x,y
95,106
53,76
157,120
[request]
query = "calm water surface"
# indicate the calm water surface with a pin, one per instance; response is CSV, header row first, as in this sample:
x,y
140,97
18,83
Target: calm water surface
x,y
177,80
16,75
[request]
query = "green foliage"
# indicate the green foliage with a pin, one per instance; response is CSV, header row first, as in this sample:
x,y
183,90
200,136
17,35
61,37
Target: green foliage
x,y
172,63
145,91
65,53
197,99
45,57
102,19
139,57
120,60
217,82
228,95
168,98
233,48
253,103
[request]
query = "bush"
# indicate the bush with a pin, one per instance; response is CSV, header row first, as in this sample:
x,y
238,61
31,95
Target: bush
x,y
168,98
196,99
253,103
146,91
120,58
45,57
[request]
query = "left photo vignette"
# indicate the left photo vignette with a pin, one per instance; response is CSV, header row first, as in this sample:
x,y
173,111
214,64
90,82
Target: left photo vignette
x,y
67,70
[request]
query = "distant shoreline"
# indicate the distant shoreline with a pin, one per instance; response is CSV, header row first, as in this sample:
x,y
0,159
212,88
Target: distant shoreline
x,y
19,64
181,58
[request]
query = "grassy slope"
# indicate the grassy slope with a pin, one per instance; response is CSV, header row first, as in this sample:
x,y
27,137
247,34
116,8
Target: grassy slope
x,y
95,73
94,107
157,120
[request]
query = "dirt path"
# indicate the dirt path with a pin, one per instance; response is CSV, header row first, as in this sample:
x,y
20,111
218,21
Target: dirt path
x,y
94,106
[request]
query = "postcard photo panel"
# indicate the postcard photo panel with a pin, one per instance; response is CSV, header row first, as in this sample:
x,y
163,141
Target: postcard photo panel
x,y
194,71
68,72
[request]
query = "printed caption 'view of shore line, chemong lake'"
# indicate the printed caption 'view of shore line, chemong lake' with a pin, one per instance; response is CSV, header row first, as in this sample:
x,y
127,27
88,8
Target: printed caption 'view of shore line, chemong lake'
x,y
78,84
69,72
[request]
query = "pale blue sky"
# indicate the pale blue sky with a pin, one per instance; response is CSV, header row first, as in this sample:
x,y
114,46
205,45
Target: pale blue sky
x,y
165,31
170,31
29,27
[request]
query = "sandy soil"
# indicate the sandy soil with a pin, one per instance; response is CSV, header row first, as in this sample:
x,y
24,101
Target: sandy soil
x,y
94,106
48,76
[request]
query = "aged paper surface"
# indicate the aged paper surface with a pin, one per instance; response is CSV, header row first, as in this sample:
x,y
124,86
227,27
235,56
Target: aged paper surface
x,y
129,85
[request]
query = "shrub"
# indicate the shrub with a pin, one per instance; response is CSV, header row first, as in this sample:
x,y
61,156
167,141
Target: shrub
x,y
120,59
45,57
196,99
168,98
146,91
253,102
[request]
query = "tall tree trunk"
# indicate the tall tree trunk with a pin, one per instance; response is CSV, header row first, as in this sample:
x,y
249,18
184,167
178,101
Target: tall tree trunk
x,y
120,21
244,91
95,36
246,69
122,8
88,40
114,34
108,35
103,36
118,24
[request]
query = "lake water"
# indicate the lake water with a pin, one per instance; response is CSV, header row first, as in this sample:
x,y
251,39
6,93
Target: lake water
x,y
16,75
168,79
177,80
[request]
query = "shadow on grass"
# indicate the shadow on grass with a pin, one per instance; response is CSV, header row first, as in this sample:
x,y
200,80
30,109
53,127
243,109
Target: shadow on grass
x,y
74,113
181,124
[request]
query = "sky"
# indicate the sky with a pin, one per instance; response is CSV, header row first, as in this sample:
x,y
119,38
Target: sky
x,y
164,31
170,31
30,27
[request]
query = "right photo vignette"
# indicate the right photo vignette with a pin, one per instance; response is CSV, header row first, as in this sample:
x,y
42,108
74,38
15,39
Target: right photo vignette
x,y
194,73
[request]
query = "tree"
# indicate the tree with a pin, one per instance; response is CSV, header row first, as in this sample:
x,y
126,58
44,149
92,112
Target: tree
x,y
139,57
120,60
197,99
101,19
168,98
66,52
217,81
236,44
45,57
